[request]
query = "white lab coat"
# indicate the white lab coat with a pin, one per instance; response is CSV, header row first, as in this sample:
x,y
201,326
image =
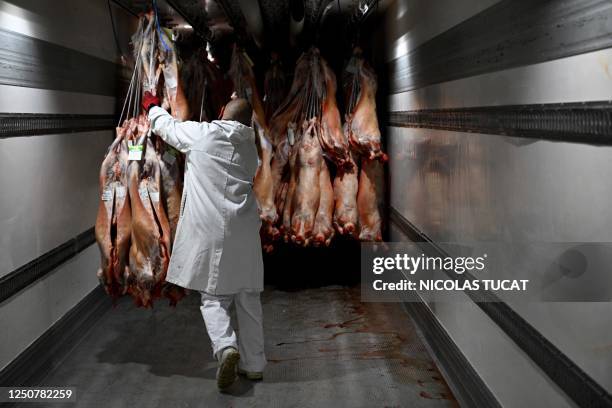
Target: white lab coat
x,y
217,247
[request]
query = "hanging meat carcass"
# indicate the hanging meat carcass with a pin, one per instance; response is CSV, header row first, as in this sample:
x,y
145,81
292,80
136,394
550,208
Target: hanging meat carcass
x,y
309,205
245,86
284,131
264,184
208,89
291,187
323,230
275,85
368,197
361,120
346,185
141,189
308,188
361,129
281,171
298,159
150,250
113,223
172,182
289,111
173,91
331,135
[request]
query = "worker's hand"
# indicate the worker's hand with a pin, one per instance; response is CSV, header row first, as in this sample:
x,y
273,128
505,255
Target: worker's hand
x,y
149,100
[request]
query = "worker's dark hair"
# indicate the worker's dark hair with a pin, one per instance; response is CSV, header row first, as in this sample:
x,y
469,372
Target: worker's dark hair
x,y
238,109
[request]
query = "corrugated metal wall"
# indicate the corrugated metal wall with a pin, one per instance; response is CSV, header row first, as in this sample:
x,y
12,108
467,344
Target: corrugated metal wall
x,y
466,185
58,58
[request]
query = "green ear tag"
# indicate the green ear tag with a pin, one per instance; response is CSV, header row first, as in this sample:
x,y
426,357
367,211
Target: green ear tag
x,y
135,152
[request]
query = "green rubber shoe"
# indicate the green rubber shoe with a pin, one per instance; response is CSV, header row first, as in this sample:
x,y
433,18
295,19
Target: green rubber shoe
x,y
251,375
226,373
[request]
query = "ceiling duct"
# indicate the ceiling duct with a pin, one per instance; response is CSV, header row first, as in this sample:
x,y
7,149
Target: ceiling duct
x,y
296,20
172,13
252,14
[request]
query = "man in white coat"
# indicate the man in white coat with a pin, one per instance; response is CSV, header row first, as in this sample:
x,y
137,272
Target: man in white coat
x,y
217,248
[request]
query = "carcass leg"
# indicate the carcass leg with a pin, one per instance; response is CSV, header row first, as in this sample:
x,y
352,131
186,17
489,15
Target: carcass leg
x,y
367,200
264,183
307,192
346,186
323,230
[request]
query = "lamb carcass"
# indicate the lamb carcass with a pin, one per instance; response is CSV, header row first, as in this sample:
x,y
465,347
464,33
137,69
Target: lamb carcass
x,y
150,250
245,84
278,168
138,194
173,89
113,223
172,183
263,185
289,111
274,86
323,231
104,222
145,51
291,188
368,198
364,134
346,184
331,136
307,191
208,90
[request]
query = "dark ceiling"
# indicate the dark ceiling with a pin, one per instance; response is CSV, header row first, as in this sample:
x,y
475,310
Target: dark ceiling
x,y
214,18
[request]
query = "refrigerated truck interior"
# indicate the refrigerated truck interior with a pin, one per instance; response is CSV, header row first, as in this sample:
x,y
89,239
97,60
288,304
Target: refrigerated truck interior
x,y
495,122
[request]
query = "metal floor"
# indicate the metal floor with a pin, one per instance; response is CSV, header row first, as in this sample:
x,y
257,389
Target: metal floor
x,y
324,347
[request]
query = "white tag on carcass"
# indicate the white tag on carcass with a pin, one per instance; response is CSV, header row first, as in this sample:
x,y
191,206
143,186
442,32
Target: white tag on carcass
x,y
107,194
135,152
120,191
154,196
143,193
171,84
291,136
169,157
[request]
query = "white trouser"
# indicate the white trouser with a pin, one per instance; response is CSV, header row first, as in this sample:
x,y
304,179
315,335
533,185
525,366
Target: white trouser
x,y
215,310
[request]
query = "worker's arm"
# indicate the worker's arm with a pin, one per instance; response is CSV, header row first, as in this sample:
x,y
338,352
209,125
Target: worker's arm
x,y
180,135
